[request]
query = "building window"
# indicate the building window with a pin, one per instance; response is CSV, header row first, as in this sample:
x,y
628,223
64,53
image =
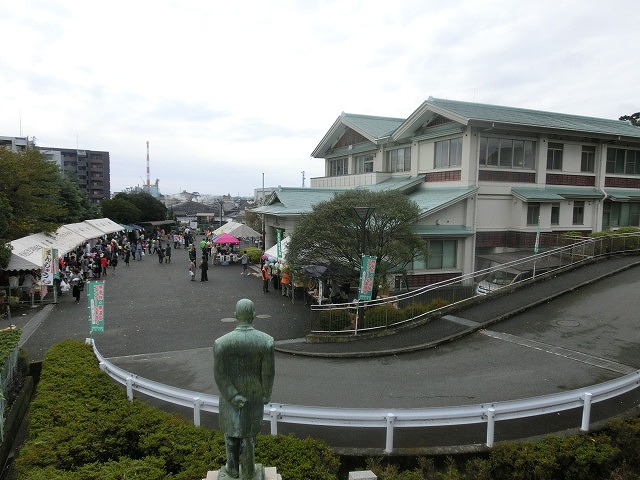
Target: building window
x,y
506,153
399,160
578,213
554,156
442,254
364,163
448,153
555,214
338,167
620,214
533,213
588,161
621,160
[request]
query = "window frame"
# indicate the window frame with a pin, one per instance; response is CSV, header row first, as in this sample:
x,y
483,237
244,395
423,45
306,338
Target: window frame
x,y
554,156
533,213
588,159
335,164
578,212
555,213
364,161
393,162
453,155
521,153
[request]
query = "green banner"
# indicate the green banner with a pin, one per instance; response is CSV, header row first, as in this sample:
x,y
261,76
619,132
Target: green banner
x,y
279,243
95,301
367,275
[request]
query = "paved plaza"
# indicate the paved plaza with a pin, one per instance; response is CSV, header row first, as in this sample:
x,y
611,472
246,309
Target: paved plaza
x,y
161,326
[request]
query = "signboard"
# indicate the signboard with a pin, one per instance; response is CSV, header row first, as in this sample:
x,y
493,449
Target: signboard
x,y
95,300
49,264
367,276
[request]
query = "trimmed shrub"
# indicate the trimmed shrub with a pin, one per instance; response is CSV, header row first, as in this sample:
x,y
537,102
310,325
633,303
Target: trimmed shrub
x,y
333,320
83,427
255,254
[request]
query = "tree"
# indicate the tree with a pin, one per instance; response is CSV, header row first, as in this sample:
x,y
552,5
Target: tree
x,y
121,210
31,186
134,208
77,205
634,118
331,235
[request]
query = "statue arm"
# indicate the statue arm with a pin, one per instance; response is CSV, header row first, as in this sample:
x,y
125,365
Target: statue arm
x,y
224,383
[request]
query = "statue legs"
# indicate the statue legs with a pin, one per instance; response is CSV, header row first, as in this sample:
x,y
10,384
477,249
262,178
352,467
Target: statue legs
x,y
240,456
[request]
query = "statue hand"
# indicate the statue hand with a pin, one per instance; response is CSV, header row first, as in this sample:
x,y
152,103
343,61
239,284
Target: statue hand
x,y
238,401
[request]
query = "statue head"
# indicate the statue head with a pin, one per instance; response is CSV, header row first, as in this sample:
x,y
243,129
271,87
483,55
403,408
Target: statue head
x,y
245,311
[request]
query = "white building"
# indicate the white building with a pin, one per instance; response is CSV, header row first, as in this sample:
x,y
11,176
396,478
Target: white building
x,y
486,177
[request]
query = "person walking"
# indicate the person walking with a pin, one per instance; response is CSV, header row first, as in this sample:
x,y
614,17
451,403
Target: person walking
x,y
285,280
167,254
139,250
204,267
127,255
160,253
265,277
244,260
192,270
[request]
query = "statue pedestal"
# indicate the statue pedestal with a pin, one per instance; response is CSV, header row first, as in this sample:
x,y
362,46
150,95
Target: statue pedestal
x,y
266,473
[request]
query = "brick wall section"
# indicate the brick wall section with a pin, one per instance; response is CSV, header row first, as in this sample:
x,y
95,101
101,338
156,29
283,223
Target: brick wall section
x,y
622,182
491,239
428,279
506,176
448,176
574,180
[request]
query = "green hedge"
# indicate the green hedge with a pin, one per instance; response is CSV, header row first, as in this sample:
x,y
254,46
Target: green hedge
x,y
83,427
255,254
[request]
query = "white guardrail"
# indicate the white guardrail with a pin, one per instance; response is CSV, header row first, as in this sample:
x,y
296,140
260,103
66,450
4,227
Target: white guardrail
x,y
389,419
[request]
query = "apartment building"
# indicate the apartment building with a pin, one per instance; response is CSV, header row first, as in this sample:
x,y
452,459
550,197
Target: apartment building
x,y
486,177
90,169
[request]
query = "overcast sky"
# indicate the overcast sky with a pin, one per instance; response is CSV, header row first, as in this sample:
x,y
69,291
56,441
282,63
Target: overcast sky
x,y
230,92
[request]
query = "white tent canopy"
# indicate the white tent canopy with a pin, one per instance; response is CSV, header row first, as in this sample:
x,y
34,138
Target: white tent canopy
x,y
237,230
27,251
105,225
273,251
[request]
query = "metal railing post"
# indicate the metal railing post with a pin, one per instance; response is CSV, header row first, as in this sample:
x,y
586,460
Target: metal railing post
x,y
273,419
586,412
196,411
130,389
491,426
391,419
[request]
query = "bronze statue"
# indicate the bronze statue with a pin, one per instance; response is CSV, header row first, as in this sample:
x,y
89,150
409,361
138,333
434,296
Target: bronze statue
x,y
243,366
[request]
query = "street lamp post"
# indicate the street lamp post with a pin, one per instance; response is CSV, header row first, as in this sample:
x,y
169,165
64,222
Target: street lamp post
x,y
364,213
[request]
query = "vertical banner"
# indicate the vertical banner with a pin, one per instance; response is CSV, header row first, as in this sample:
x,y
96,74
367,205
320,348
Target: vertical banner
x,y
279,243
49,260
95,300
367,275
536,247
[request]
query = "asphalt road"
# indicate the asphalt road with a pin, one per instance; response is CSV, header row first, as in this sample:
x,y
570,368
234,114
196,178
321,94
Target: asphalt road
x,y
161,326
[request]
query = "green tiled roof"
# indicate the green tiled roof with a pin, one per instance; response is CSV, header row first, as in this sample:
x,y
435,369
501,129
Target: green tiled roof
x,y
442,230
533,118
430,199
295,201
622,194
372,126
555,193
286,201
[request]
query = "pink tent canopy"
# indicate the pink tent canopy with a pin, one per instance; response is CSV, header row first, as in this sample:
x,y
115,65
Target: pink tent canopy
x,y
225,238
